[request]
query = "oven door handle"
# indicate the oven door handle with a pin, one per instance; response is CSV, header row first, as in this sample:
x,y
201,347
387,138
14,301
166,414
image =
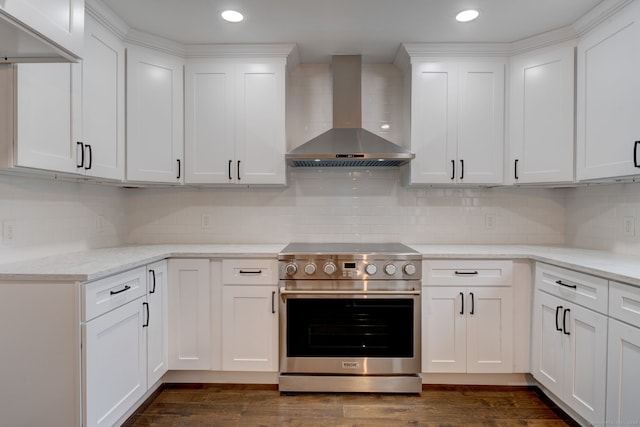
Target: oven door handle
x,y
284,291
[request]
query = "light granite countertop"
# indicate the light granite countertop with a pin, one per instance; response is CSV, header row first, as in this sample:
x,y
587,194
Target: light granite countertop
x,y
95,264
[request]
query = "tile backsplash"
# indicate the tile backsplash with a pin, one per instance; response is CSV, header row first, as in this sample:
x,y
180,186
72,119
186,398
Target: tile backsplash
x,y
49,217
363,206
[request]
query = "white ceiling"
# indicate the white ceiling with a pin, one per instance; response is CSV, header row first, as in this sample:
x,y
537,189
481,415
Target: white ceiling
x,y
372,28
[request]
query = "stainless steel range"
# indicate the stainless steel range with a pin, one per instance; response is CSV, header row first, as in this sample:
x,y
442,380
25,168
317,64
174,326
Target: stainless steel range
x,y
350,318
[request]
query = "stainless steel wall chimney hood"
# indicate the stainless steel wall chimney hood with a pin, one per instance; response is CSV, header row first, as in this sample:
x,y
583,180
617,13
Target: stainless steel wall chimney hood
x,y
347,144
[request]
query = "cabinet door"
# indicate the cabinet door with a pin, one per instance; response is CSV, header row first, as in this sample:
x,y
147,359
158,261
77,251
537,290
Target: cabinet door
x,y
209,124
154,116
249,328
548,344
434,97
260,141
586,358
103,103
59,21
623,374
489,330
480,123
157,329
115,363
45,113
189,317
607,103
541,117
444,330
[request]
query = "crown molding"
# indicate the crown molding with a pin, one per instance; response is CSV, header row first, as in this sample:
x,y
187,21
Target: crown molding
x,y
150,41
598,15
106,17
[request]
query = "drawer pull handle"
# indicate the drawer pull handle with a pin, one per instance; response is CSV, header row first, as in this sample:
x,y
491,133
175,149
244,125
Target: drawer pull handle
x,y
559,282
558,328
146,324
126,288
273,302
466,273
564,321
250,271
153,276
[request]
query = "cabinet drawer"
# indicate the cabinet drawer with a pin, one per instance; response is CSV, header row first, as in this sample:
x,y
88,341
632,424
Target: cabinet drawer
x,y
624,303
250,272
583,289
467,273
106,294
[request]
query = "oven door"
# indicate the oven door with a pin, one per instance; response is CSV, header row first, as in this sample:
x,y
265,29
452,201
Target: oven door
x,y
350,332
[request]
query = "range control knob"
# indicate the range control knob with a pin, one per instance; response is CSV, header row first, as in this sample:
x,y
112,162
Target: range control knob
x,y
310,268
390,269
409,269
371,269
291,269
329,268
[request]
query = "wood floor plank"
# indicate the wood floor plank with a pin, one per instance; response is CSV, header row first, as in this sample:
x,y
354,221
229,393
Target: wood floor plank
x,y
437,406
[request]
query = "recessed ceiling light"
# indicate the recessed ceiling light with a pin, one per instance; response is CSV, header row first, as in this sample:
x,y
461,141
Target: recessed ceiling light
x,y
467,15
232,16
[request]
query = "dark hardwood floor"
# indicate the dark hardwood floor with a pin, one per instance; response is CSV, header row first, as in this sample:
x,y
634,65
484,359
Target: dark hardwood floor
x,y
254,405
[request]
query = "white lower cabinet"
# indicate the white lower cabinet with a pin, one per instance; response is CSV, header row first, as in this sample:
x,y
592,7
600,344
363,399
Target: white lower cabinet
x,y
623,370
189,314
569,343
157,323
467,330
250,315
115,368
250,328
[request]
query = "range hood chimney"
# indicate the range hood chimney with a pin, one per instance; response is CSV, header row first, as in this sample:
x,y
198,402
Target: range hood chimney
x,y
347,144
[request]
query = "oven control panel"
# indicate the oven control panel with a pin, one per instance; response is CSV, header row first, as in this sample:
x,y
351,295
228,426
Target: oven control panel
x,y
337,269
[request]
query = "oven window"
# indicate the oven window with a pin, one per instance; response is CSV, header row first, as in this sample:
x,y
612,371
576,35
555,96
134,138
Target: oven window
x,y
350,327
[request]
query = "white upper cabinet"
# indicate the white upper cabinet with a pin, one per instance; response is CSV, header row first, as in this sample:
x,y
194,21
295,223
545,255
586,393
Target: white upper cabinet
x,y
39,29
102,104
608,106
541,119
235,122
69,118
457,122
154,116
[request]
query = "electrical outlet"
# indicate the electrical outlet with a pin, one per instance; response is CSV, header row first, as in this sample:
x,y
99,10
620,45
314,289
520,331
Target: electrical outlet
x,y
489,222
206,221
629,226
8,231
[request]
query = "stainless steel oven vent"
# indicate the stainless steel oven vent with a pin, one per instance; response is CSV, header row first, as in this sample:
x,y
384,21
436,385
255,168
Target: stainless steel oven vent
x,y
347,144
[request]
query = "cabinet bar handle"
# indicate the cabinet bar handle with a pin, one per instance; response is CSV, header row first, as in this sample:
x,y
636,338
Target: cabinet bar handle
x,y
465,273
238,171
558,308
153,275
561,283
90,156
635,154
462,305
230,161
473,303
461,169
250,271
564,321
179,169
81,164
126,288
453,170
515,169
273,302
146,304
